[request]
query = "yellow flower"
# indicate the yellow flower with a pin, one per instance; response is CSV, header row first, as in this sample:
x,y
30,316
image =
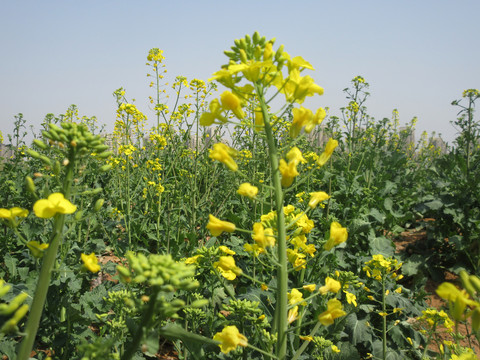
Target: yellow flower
x,y
226,266
36,248
264,287
224,154
306,338
292,314
233,103
230,338
254,249
335,349
351,298
193,259
12,214
226,250
301,117
248,190
334,310
331,285
263,237
310,287
316,198
217,226
295,156
208,118
288,171
295,297
55,203
338,235
331,145
90,262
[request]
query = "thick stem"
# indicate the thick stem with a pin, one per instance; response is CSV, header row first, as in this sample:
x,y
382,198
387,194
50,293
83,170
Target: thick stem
x,y
144,324
43,284
282,271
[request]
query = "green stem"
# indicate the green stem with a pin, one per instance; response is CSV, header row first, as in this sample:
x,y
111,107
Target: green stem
x,y
144,323
282,273
43,284
384,330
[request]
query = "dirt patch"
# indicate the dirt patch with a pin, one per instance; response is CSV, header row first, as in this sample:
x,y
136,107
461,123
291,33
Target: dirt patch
x,y
404,243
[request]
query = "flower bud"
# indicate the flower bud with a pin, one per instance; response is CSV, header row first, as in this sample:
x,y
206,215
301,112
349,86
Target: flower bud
x,y
34,154
45,160
243,56
256,37
56,168
104,154
105,167
199,303
98,205
30,185
40,144
78,215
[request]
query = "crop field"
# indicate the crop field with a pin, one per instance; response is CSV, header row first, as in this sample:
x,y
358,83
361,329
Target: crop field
x,y
242,225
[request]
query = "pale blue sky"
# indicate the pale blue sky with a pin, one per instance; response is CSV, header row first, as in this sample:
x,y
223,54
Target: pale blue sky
x,y
418,56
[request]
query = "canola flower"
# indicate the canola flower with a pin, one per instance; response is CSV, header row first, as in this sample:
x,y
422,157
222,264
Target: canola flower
x,y
248,190
217,226
229,338
227,267
338,235
316,198
90,262
37,249
380,268
331,285
11,215
54,204
327,153
225,155
334,311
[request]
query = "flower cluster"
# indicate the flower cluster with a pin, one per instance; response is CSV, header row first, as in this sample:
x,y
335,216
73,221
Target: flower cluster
x,y
380,268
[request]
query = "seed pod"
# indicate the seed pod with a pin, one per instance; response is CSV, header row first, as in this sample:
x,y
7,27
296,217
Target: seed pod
x,y
40,144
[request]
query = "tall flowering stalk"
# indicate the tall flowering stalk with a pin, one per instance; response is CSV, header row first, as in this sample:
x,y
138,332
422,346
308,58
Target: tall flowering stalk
x,y
269,74
77,143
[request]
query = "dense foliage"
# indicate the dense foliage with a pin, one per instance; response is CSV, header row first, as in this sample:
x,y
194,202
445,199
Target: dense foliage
x,y
232,228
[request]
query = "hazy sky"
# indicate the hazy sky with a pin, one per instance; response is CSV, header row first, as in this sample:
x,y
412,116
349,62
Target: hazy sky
x,y
418,55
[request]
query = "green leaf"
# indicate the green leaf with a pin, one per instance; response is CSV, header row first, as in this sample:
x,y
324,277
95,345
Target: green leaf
x,y
434,205
11,264
382,245
359,331
193,342
413,265
377,215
